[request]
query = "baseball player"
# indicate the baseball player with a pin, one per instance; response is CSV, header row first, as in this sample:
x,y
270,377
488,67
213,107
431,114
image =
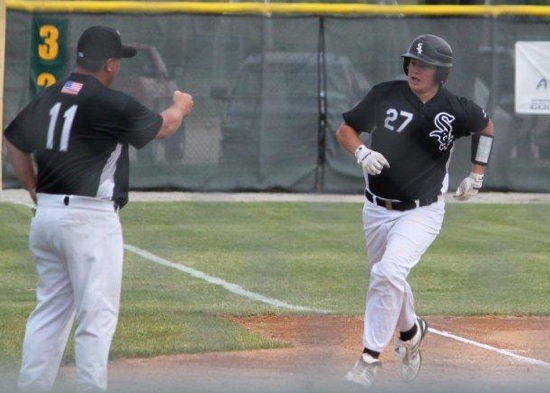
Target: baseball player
x,y
79,131
412,125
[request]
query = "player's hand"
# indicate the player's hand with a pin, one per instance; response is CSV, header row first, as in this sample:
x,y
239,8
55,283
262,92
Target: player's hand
x,y
371,160
469,187
184,101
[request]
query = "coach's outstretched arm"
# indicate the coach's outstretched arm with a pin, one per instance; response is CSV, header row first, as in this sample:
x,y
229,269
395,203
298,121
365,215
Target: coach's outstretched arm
x,y
24,168
371,160
482,144
174,115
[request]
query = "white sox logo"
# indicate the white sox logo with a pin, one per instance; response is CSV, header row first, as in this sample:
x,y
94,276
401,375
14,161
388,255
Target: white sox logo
x,y
419,48
444,132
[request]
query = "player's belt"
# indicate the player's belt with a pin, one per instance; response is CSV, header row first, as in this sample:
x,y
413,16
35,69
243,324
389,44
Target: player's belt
x,y
400,205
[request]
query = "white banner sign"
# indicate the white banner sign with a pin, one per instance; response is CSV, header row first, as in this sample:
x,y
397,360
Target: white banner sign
x,y
533,77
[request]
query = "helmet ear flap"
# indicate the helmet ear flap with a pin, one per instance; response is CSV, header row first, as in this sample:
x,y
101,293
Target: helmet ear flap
x,y
406,62
442,74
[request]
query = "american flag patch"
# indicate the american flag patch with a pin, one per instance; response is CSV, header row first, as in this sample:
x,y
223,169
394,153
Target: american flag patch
x,y
71,87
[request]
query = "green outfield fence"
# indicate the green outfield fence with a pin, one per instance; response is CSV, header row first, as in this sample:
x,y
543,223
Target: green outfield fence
x,y
270,82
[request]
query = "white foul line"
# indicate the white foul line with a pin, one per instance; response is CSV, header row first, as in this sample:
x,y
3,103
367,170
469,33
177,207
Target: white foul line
x,y
233,288
240,291
493,349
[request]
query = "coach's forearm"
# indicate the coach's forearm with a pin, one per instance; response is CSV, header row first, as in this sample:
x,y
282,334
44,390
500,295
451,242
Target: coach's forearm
x,y
24,168
173,116
171,121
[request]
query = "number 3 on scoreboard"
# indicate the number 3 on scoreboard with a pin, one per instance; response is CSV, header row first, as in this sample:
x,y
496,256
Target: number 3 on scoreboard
x,y
49,50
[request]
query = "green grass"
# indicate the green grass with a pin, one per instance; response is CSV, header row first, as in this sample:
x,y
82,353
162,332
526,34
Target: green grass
x,y
488,259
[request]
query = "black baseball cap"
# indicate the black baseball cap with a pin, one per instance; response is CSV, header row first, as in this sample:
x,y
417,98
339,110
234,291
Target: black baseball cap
x,y
101,42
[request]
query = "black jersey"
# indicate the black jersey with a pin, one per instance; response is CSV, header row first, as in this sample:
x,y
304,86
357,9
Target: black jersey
x,y
416,138
80,132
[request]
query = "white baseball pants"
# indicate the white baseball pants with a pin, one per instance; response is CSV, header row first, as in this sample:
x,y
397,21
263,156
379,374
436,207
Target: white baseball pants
x,y
395,243
78,252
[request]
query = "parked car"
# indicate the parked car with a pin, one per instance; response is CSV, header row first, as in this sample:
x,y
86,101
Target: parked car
x,y
145,77
275,107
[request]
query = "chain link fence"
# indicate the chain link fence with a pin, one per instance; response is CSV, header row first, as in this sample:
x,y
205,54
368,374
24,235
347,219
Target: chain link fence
x,y
269,91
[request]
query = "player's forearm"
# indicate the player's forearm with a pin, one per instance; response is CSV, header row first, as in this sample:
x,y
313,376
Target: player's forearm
x,y
348,138
479,169
482,144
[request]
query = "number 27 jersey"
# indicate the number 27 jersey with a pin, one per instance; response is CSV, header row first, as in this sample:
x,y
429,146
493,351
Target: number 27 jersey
x,y
416,138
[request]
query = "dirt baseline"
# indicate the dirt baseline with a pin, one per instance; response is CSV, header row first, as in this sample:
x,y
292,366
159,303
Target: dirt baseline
x,y
325,347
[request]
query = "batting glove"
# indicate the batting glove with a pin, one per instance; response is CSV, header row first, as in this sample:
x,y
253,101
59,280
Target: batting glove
x,y
371,160
469,187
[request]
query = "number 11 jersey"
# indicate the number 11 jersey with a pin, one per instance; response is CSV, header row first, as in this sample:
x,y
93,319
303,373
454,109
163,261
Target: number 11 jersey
x,y
80,132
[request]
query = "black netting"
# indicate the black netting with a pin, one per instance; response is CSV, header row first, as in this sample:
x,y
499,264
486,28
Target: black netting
x,y
269,93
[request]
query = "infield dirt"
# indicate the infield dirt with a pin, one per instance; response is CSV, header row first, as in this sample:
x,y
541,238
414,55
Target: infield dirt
x,y
325,347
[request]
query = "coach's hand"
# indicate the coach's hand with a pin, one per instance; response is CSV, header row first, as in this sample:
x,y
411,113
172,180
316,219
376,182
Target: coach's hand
x,y
371,160
183,101
469,187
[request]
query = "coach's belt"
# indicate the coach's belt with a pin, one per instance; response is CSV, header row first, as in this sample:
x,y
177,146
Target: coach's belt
x,y
59,200
400,205
87,202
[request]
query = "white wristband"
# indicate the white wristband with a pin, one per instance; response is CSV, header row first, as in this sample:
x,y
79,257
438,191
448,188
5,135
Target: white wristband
x,y
361,152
